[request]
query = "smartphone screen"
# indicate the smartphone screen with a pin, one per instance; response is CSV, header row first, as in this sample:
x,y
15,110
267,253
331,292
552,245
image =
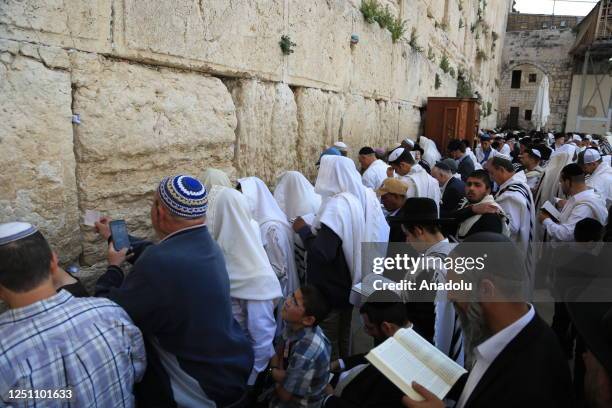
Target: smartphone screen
x,y
119,234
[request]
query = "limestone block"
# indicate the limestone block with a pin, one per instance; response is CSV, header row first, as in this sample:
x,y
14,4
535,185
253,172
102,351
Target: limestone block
x,y
389,125
319,116
138,125
322,31
409,121
219,36
360,123
267,128
67,23
37,163
407,67
372,61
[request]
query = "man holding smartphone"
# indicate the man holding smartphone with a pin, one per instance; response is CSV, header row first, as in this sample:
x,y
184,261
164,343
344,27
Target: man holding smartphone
x,y
178,295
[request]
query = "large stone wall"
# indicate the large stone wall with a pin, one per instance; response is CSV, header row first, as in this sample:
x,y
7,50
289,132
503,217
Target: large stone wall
x,y
177,86
539,52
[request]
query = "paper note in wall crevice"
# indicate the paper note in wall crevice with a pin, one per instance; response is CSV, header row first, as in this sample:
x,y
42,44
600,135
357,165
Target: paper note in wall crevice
x,y
91,217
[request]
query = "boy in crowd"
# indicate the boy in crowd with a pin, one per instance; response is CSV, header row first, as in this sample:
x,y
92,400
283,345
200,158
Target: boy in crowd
x,y
302,380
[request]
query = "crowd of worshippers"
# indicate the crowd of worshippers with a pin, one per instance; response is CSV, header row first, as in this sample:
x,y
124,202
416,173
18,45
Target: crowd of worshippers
x,y
245,298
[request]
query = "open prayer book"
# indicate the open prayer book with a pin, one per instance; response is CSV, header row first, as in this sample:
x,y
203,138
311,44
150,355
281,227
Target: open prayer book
x,y
408,357
551,210
366,286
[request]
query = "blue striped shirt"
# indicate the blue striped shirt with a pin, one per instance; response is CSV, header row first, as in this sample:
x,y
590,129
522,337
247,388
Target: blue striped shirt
x,y
87,344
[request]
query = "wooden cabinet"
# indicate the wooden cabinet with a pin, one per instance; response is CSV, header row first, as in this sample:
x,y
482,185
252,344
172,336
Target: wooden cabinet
x,y
451,118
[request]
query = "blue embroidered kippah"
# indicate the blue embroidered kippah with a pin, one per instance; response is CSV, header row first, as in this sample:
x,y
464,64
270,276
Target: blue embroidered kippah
x,y
184,196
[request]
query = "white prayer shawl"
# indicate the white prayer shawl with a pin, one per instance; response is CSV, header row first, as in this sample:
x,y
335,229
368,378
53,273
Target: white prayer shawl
x,y
337,174
588,198
549,187
480,154
521,216
276,232
343,214
470,153
295,195
430,152
424,184
214,177
466,225
375,174
533,177
230,224
505,149
568,148
601,182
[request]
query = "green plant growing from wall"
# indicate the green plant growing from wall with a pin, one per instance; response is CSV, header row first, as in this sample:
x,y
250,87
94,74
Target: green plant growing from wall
x,y
489,108
473,27
286,45
431,55
370,10
429,13
451,71
481,55
437,82
464,85
444,26
444,64
460,5
494,36
461,25
384,18
397,28
477,36
413,41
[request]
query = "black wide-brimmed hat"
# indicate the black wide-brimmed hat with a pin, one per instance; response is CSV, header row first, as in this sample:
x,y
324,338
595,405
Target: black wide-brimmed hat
x,y
419,210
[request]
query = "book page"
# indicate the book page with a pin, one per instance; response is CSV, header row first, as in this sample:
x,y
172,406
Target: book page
x,y
550,209
442,365
366,287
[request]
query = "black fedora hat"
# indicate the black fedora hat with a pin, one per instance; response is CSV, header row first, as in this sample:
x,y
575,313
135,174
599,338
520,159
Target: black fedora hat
x,y
419,210
593,320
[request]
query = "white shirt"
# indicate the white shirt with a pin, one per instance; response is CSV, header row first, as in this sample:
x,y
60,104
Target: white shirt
x,y
575,209
601,181
488,351
375,174
256,317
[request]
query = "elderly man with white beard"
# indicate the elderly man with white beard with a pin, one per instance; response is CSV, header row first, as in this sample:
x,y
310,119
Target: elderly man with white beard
x,y
516,359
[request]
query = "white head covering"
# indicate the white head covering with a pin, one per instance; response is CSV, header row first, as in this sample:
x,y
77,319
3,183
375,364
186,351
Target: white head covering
x,y
341,146
430,152
14,231
295,195
264,207
230,224
214,177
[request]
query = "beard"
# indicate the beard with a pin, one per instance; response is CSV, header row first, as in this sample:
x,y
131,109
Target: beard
x,y
475,330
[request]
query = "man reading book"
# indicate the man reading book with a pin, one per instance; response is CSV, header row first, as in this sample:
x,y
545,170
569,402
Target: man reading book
x,y
361,384
517,360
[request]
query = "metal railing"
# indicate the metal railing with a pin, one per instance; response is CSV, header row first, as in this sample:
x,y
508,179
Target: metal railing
x,y
603,30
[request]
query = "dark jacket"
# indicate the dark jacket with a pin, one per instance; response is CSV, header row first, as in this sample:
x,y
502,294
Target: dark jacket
x,y
486,223
465,167
453,194
178,295
326,266
531,371
369,389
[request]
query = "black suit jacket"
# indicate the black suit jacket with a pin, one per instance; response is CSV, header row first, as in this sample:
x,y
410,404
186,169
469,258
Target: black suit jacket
x,y
369,389
530,372
453,194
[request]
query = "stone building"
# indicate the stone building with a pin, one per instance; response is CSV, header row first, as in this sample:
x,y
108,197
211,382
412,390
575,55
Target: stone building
x,y
535,46
100,99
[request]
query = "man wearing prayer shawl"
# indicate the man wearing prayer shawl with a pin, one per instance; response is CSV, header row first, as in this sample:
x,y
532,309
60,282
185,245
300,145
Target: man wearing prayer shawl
x,y
583,203
254,288
514,197
599,173
276,232
374,170
349,215
420,183
214,177
296,196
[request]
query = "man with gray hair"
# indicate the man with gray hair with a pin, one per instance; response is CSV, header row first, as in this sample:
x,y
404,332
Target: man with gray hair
x,y
517,361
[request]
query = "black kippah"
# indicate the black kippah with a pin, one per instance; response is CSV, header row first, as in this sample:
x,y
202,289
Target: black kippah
x,y
366,150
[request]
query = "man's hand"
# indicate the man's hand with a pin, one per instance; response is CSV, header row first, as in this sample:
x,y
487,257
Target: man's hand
x,y
560,204
542,215
334,366
329,390
102,227
485,208
431,401
116,258
279,375
298,223
390,172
